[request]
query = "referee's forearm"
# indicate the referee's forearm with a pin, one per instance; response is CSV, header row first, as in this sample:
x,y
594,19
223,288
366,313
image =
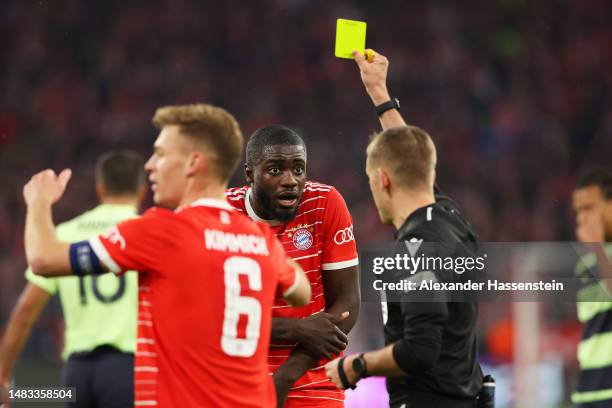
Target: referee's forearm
x,y
391,118
382,363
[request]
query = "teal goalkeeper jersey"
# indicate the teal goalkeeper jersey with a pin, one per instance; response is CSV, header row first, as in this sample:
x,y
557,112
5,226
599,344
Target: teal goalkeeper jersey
x,y
595,348
98,310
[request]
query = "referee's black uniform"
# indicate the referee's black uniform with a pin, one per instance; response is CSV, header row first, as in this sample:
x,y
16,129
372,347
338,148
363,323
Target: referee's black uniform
x,y
436,342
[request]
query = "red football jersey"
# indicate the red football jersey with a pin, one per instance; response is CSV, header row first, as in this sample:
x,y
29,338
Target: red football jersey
x,y
320,238
206,288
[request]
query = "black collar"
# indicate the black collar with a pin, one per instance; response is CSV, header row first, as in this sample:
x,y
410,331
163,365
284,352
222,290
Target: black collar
x,y
417,215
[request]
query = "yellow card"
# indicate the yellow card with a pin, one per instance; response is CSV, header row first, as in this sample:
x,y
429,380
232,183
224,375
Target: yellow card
x,y
350,36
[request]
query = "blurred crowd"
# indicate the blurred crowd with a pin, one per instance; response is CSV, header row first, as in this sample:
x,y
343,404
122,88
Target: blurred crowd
x,y
516,94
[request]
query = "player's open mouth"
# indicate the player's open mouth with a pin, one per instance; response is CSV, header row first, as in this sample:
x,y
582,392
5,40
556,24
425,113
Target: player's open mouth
x,y
287,200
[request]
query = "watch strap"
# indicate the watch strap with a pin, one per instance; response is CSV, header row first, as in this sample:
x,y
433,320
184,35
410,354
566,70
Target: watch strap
x,y
364,372
393,103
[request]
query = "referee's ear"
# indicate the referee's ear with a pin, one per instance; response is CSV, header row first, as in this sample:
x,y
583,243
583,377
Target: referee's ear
x,y
384,180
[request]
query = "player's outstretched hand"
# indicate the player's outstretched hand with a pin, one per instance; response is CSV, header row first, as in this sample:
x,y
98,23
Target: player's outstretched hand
x,y
373,70
320,335
46,187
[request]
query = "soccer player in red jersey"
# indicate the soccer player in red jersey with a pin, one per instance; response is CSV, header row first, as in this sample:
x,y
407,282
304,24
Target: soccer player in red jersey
x,y
313,223
208,275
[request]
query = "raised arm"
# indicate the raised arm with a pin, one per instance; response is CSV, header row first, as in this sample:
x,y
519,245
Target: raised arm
x,y
374,77
46,255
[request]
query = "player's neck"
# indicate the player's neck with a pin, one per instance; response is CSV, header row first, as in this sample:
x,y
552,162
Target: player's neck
x,y
209,190
407,202
254,210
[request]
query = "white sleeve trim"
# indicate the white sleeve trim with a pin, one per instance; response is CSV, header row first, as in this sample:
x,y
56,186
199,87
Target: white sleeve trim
x,y
103,255
340,265
294,286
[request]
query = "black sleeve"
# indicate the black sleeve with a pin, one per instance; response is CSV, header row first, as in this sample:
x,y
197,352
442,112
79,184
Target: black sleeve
x,y
421,344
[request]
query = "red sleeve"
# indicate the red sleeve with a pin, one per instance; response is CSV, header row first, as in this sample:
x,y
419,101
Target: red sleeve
x,y
235,197
137,244
339,248
288,279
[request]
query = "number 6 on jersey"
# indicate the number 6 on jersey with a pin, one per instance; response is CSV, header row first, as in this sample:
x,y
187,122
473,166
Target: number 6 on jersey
x,y
236,305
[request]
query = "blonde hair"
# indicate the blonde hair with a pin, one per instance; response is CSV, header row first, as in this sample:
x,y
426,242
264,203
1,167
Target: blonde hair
x,y
409,154
211,126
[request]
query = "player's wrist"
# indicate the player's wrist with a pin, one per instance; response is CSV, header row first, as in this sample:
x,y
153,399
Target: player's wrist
x,y
295,366
297,330
284,375
38,204
303,357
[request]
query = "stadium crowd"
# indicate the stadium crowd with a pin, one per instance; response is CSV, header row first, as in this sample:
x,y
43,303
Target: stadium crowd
x,y
516,95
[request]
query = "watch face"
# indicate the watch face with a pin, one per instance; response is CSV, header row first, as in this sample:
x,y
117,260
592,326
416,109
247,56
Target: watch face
x,y
397,103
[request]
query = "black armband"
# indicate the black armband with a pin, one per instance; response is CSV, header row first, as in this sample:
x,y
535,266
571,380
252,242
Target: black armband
x,y
84,260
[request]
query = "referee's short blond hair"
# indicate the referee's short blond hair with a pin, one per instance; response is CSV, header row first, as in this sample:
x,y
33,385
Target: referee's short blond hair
x,y
408,153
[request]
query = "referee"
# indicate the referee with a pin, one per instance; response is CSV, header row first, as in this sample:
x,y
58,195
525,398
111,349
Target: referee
x,y
430,357
99,311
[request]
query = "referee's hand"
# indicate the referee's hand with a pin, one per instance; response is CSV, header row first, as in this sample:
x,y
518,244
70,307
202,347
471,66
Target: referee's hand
x,y
331,370
373,71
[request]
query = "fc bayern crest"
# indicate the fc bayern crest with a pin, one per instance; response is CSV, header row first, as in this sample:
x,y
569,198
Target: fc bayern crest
x,y
302,239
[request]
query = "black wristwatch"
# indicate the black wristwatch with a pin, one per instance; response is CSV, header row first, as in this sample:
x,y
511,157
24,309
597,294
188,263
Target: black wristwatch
x,y
359,366
394,103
